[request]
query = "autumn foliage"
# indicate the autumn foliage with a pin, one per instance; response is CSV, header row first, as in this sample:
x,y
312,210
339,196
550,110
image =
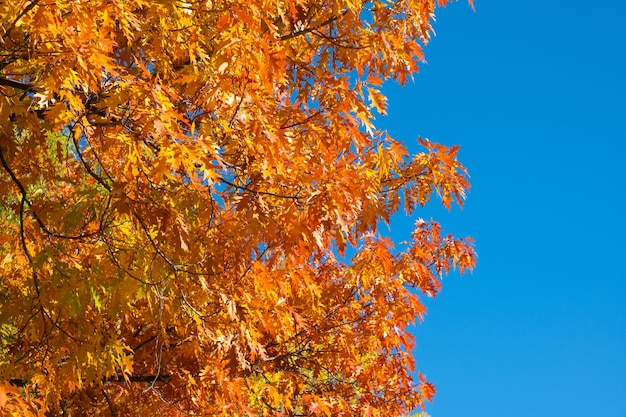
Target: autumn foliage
x,y
190,200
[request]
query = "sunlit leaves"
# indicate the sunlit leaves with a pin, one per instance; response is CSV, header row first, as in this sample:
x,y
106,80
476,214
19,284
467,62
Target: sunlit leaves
x,y
191,201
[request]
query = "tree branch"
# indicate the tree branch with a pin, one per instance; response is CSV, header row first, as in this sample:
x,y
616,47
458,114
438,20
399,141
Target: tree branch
x,y
86,165
16,84
27,9
106,397
313,28
132,378
245,188
24,194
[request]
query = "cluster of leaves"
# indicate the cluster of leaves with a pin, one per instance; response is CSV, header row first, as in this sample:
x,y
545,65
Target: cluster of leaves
x,y
180,183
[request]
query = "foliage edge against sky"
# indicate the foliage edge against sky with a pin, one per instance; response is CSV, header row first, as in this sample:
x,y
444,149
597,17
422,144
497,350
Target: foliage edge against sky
x,y
177,179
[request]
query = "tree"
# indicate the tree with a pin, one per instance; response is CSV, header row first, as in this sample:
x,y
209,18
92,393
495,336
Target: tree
x,y
191,193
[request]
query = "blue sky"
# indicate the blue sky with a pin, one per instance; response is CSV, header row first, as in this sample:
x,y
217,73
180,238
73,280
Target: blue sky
x,y
535,94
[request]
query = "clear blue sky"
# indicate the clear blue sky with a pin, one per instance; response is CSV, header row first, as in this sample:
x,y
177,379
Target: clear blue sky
x,y
535,94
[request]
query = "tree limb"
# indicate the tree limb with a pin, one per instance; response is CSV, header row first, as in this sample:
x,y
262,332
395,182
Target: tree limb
x,y
16,84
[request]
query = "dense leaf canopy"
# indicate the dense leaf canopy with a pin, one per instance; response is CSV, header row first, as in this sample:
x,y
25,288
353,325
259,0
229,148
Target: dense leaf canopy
x,y
190,199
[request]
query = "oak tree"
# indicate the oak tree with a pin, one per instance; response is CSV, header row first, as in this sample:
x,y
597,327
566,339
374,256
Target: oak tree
x,y
191,194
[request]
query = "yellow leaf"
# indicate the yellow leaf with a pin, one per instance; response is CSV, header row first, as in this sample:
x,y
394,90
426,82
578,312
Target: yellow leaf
x,y
378,100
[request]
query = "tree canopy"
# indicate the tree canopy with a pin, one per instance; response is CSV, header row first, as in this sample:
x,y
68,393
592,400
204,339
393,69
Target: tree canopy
x,y
191,193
